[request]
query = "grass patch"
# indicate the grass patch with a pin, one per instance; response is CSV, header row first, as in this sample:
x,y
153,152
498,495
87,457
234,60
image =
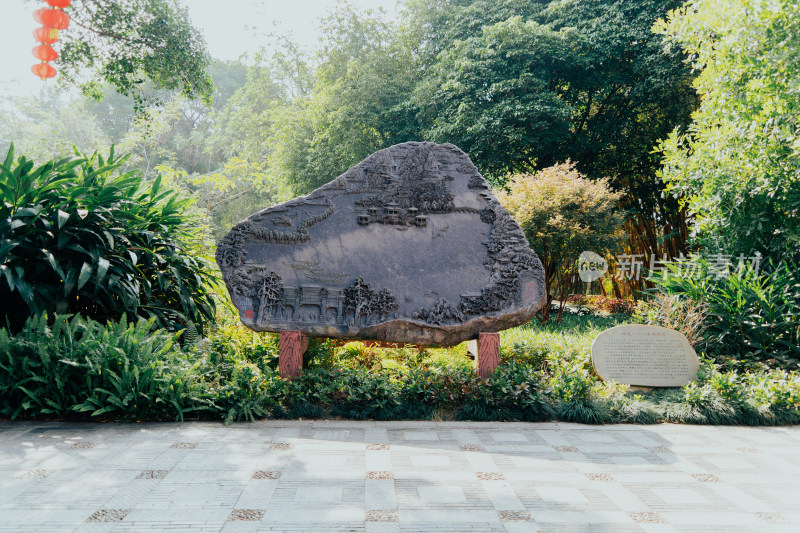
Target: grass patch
x,y
77,368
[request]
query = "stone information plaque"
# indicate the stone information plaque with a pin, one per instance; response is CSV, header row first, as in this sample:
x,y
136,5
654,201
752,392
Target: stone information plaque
x,y
410,245
651,356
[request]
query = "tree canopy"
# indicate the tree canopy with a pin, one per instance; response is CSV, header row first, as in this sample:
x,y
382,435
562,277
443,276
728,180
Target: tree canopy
x,y
738,166
519,85
529,84
125,43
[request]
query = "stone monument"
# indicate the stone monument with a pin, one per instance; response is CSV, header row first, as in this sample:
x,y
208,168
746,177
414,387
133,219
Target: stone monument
x,y
650,356
408,246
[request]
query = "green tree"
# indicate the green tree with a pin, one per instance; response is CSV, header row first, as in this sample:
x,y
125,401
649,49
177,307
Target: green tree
x,y
258,119
193,138
562,214
738,166
495,95
309,118
195,142
522,85
125,42
44,126
148,137
366,74
555,80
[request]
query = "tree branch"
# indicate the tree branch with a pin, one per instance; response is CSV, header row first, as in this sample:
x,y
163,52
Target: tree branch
x,y
105,33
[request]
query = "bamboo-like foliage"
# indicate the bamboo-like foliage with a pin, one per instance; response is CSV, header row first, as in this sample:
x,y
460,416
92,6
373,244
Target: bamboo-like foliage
x,y
120,370
752,317
78,236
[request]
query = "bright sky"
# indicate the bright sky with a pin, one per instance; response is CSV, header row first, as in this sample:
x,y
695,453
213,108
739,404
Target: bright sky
x,y
231,28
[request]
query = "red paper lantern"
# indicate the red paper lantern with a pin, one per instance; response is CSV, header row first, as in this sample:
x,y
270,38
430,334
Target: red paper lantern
x,y
51,18
45,35
45,52
59,3
43,70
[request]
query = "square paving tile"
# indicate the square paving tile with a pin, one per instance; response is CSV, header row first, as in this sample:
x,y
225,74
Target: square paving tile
x,y
420,435
442,494
507,436
430,461
565,495
435,477
318,495
676,496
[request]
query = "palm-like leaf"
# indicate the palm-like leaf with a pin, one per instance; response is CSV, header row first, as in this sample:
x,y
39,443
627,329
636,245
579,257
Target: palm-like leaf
x,y
78,236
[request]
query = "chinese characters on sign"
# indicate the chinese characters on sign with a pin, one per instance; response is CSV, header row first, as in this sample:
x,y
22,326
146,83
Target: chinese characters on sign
x,y
650,356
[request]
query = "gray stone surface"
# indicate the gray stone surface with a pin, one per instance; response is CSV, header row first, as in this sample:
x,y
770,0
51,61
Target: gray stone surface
x,y
640,354
410,246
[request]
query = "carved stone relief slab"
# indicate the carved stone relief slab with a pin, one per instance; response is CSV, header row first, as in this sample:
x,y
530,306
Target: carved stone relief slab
x,y
409,245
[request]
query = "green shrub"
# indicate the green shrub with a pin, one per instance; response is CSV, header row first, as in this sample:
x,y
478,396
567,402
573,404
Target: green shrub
x,y
359,355
77,367
320,354
752,398
423,390
232,341
77,236
242,390
753,317
447,359
574,389
439,388
562,214
120,370
634,409
513,392
239,368
362,395
525,353
675,312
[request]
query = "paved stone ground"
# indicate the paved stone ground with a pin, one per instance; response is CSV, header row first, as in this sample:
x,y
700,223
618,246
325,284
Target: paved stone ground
x,y
397,477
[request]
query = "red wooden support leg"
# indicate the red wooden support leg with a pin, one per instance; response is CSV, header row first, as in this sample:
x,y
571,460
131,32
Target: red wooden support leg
x,y
488,353
291,347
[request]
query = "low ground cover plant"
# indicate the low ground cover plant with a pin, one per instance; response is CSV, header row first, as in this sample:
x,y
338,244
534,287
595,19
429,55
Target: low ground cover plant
x,y
79,368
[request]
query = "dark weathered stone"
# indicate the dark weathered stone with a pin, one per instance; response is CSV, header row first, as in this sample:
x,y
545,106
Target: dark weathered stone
x,y
408,246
